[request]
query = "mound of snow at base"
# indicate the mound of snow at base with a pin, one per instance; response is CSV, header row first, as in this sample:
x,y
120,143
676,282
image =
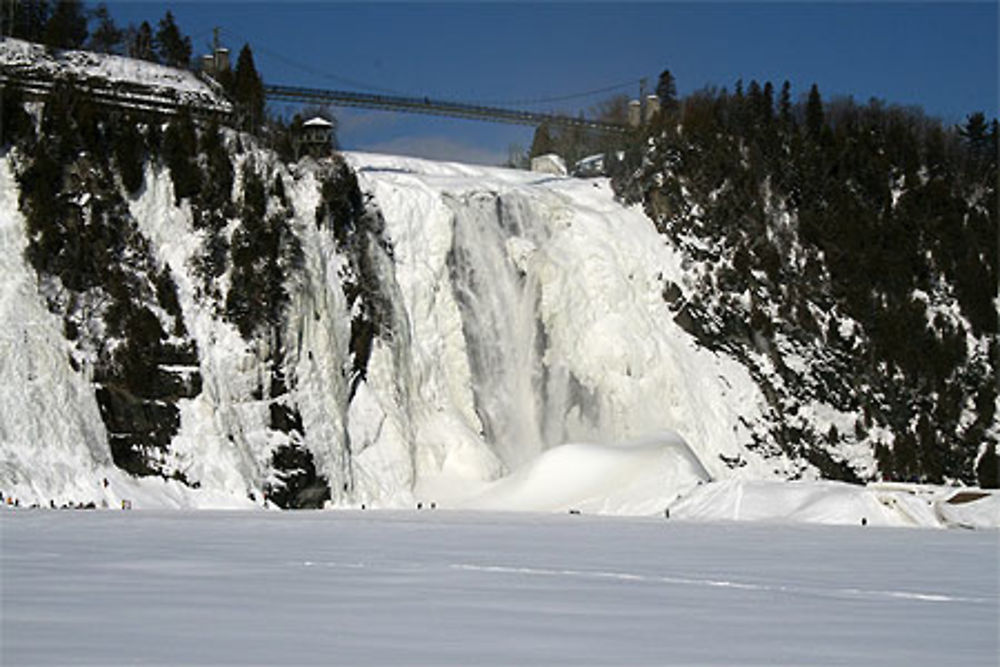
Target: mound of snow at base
x,y
636,477
834,503
981,513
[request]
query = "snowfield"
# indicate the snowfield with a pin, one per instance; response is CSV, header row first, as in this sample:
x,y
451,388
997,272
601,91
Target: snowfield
x,y
439,587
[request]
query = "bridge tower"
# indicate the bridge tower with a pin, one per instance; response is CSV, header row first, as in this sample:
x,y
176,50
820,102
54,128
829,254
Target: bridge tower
x,y
217,61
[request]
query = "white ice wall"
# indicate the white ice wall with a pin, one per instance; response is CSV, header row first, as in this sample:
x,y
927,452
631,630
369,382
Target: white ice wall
x,y
52,440
591,274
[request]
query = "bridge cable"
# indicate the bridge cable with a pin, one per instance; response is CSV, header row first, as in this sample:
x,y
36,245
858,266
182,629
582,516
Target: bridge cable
x,y
312,70
365,86
569,96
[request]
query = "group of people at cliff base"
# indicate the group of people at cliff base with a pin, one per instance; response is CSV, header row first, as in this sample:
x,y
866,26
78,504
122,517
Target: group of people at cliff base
x,y
11,501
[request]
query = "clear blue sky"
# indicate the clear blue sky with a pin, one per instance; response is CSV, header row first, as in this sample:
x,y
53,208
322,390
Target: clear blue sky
x,y
942,56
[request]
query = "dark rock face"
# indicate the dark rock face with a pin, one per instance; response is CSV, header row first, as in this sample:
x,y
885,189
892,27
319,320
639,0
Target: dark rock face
x,y
119,309
297,483
360,234
139,408
137,429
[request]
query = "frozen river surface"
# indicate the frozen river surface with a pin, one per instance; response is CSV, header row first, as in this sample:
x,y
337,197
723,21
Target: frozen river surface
x,y
435,587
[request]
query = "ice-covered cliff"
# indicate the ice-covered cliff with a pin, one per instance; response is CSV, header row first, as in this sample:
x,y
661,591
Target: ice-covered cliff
x,y
518,312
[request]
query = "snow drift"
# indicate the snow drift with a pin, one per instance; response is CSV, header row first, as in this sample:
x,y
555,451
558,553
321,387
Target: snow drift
x,y
836,503
630,478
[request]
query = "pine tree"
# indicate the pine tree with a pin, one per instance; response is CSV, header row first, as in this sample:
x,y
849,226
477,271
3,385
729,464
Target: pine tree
x,y
129,152
666,90
180,148
140,42
542,143
173,47
25,19
767,103
785,104
755,98
107,37
976,134
248,89
814,113
67,27
218,184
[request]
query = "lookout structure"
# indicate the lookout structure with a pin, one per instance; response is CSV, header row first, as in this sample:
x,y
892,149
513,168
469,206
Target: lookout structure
x,y
315,138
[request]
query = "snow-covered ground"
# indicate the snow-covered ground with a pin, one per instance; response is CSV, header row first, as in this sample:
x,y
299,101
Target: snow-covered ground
x,y
439,587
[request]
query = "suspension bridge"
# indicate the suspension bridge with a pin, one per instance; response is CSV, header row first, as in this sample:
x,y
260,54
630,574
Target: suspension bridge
x,y
434,107
37,72
153,101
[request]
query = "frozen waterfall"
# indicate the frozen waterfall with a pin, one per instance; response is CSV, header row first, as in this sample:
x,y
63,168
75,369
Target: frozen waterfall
x,y
537,319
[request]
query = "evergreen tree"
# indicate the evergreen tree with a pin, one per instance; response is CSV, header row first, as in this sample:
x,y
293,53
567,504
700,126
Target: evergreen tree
x,y
785,104
25,19
248,90
814,113
173,47
760,108
67,27
666,90
218,183
976,133
542,143
140,42
180,148
129,152
107,37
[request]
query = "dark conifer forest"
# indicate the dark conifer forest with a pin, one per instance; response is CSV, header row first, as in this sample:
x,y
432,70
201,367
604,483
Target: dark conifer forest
x,y
847,252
